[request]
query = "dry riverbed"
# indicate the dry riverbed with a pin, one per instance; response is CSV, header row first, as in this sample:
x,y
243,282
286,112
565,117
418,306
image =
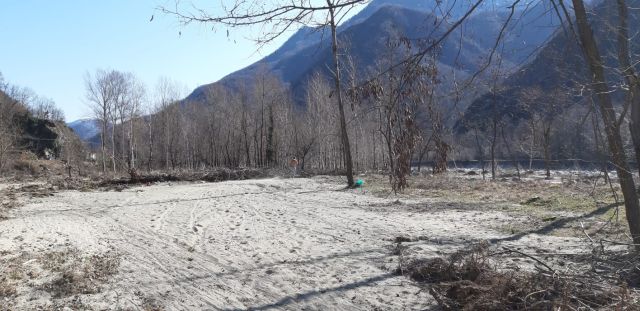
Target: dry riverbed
x,y
290,244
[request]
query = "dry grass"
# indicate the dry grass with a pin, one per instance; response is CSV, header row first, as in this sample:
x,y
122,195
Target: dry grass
x,y
533,202
7,286
61,274
8,200
149,303
576,194
77,274
12,196
12,274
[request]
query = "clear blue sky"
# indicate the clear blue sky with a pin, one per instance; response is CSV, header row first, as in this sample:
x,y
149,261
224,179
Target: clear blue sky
x,y
48,46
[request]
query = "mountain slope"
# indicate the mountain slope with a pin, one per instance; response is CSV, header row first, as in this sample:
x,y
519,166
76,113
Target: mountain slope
x,y
560,66
465,49
85,128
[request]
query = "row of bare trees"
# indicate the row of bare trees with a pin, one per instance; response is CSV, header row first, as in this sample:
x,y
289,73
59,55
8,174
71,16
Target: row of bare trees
x,y
257,127
116,99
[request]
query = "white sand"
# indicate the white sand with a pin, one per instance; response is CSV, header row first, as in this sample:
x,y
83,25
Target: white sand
x,y
289,244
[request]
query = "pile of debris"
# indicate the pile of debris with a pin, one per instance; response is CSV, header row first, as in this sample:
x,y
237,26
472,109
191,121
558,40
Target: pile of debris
x,y
470,280
214,175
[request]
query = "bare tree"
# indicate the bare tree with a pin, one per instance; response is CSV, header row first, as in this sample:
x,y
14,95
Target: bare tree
x,y
531,98
136,96
601,88
120,111
544,109
101,96
268,91
308,128
631,78
167,93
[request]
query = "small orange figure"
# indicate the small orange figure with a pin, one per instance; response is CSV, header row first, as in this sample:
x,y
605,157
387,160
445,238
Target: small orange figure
x,y
293,164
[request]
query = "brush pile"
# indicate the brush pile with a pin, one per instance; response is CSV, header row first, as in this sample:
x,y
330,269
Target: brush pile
x,y
470,280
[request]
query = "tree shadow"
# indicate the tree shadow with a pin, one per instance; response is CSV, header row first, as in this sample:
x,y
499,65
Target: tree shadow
x,y
383,252
560,223
314,293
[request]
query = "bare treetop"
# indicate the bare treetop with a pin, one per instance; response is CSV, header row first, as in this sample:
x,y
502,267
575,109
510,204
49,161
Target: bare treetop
x,y
276,17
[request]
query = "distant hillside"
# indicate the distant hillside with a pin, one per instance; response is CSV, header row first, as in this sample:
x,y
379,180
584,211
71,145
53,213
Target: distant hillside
x,y
85,128
560,65
465,50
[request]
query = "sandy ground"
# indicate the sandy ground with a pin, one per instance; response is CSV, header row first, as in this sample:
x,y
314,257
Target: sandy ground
x,y
284,244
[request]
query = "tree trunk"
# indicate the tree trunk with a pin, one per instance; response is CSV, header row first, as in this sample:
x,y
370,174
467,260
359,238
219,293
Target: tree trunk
x,y
103,144
547,151
494,141
113,145
440,155
123,140
150,146
270,153
511,154
245,131
532,142
262,126
132,146
633,95
607,111
343,123
481,154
